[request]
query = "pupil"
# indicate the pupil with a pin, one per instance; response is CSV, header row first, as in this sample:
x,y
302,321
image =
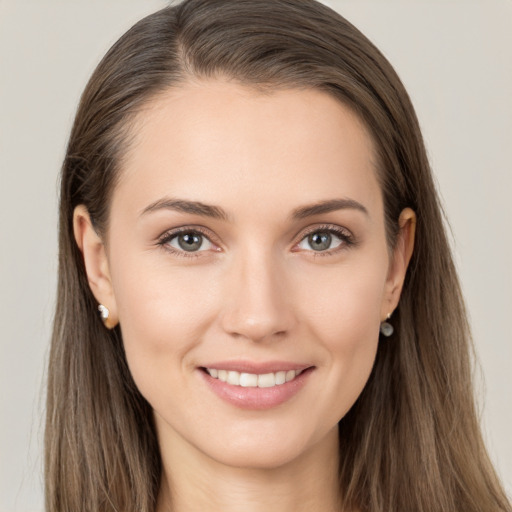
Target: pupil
x,y
320,241
190,241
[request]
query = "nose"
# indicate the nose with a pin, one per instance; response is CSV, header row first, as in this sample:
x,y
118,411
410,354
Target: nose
x,y
258,301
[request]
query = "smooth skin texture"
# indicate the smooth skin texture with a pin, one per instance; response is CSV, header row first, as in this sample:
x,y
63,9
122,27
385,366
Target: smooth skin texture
x,y
257,284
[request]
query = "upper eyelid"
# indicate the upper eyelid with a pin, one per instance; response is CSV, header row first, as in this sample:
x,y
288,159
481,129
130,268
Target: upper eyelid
x,y
331,228
324,227
171,233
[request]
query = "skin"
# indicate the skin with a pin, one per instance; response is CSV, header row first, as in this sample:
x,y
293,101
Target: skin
x,y
255,290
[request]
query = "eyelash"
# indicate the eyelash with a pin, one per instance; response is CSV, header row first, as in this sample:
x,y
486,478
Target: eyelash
x,y
347,239
164,240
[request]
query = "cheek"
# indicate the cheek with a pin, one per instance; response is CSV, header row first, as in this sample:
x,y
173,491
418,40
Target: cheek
x,y
345,303
162,312
345,320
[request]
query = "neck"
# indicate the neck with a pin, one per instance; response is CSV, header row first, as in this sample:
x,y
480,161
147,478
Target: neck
x,y
191,481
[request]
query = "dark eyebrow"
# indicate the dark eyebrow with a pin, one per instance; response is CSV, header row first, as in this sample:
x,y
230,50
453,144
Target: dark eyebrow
x,y
330,205
181,205
216,212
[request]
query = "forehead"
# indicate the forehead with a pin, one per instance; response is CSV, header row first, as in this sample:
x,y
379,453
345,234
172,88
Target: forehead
x,y
219,141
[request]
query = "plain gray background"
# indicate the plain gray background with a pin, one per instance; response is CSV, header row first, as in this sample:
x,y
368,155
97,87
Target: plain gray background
x,y
455,58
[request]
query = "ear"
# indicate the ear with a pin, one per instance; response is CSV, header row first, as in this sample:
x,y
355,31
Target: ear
x,y
399,262
96,263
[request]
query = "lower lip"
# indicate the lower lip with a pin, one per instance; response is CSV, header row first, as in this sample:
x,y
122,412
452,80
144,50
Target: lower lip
x,y
256,398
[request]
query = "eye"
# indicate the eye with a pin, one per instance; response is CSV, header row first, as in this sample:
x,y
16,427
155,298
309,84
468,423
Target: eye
x,y
326,239
186,242
190,242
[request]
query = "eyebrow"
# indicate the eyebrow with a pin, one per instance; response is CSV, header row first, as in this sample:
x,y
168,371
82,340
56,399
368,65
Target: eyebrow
x,y
216,212
327,206
185,206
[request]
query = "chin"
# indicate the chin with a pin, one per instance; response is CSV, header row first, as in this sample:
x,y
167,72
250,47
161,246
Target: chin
x,y
266,450
258,457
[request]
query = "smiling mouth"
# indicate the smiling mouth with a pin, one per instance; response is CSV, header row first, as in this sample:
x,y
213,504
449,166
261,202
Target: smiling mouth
x,y
254,386
253,380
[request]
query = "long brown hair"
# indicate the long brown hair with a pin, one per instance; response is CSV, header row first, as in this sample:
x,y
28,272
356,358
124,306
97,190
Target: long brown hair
x,y
412,440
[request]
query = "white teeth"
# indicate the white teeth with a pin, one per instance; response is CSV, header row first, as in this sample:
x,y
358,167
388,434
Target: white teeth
x,y
248,380
266,380
290,374
252,380
280,378
233,378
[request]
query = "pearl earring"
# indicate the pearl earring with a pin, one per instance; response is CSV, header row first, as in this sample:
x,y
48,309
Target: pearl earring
x,y
104,312
386,329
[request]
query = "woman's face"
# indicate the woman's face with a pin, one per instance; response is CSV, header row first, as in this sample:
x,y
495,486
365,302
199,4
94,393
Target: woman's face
x,y
247,242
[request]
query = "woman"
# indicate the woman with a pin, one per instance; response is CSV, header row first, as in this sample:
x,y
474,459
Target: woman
x,y
246,200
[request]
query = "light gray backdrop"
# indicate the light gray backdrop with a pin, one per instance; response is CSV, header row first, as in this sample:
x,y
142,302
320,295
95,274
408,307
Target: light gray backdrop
x,y
455,57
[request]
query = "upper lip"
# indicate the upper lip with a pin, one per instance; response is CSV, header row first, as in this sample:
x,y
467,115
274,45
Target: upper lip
x,y
256,367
